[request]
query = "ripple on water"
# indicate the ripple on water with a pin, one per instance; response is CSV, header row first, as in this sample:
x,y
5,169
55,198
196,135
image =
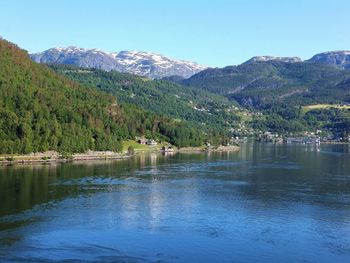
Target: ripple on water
x,y
268,203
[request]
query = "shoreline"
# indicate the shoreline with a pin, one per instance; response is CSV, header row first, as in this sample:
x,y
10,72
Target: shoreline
x,y
335,143
55,157
231,148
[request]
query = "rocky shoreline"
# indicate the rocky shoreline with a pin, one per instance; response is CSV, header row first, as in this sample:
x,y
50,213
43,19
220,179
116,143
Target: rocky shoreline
x,y
52,156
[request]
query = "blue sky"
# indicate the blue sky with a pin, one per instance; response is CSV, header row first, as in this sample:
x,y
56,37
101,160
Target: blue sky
x,y
214,33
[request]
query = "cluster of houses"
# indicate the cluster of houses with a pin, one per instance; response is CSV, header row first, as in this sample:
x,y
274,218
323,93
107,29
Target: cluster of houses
x,y
145,141
151,142
270,137
316,137
276,138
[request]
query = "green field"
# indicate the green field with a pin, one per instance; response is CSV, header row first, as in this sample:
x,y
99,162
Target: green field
x,y
324,106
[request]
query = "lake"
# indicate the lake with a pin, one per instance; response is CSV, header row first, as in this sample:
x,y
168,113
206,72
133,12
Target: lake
x,y
265,203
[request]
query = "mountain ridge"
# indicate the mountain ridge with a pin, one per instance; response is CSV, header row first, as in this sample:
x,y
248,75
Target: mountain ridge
x,y
273,58
157,66
338,58
140,63
267,82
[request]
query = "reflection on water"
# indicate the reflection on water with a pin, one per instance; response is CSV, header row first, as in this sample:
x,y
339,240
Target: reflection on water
x,y
274,203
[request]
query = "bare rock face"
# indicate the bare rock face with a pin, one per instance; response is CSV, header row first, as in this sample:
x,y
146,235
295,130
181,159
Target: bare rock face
x,y
139,63
339,59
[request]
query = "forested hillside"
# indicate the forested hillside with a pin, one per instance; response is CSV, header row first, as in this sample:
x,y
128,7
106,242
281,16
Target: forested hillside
x,y
260,84
280,90
277,89
159,96
41,110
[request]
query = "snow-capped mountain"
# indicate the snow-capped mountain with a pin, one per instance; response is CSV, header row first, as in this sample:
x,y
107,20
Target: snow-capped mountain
x,y
272,58
140,63
340,58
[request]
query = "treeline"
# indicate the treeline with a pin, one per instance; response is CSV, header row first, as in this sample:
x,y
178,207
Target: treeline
x,y
41,110
293,119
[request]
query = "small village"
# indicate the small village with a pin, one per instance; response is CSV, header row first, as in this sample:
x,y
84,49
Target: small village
x,y
304,138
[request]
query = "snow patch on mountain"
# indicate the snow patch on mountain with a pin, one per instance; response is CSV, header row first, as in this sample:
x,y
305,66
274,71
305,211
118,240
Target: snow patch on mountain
x,y
272,58
339,58
135,62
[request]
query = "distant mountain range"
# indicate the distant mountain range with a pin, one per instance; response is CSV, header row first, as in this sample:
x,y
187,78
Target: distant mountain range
x,y
340,59
146,64
260,81
157,66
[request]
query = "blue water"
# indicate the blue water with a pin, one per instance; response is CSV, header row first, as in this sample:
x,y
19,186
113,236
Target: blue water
x,y
266,203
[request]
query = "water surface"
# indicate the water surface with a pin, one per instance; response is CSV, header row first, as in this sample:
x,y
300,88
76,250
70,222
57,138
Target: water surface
x,y
266,203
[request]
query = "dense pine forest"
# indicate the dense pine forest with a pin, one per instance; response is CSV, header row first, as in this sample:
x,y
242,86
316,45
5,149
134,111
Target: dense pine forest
x,y
41,110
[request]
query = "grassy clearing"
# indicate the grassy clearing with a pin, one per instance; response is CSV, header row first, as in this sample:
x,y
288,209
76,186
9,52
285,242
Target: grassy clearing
x,y
324,106
141,147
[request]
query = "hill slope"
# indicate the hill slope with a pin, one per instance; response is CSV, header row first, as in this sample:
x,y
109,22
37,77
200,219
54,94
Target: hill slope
x,y
41,110
258,84
140,63
279,90
159,96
